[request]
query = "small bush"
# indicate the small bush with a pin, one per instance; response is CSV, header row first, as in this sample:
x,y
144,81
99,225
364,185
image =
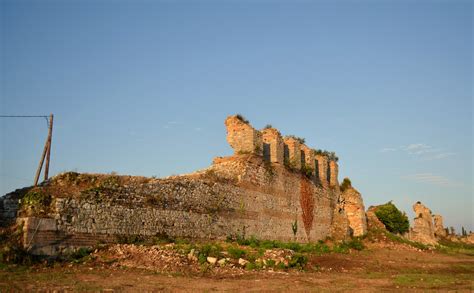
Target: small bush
x,y
356,244
392,218
213,250
242,118
307,170
346,183
268,126
298,261
235,252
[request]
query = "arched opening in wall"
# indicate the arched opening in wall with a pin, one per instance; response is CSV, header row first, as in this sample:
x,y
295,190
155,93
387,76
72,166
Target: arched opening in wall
x,y
266,152
316,170
303,158
286,154
328,172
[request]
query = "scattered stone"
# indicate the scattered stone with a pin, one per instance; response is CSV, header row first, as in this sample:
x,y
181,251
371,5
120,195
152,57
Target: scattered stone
x,y
211,260
192,256
243,262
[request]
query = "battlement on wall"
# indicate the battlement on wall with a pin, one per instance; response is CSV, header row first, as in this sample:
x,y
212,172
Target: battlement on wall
x,y
289,151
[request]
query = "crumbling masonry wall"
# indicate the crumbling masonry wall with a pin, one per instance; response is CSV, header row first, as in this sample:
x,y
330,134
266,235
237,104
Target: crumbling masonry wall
x,y
245,194
242,137
273,144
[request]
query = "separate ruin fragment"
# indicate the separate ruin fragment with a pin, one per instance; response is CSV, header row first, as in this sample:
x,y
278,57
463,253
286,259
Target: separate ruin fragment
x,y
423,229
355,211
439,230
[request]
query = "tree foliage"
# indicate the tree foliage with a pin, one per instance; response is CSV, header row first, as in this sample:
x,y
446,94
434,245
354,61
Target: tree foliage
x,y
392,218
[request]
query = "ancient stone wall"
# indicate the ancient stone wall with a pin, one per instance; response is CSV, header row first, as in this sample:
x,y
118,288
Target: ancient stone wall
x,y
245,194
423,228
439,229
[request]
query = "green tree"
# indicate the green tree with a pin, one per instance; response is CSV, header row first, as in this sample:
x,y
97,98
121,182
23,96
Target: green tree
x,y
392,218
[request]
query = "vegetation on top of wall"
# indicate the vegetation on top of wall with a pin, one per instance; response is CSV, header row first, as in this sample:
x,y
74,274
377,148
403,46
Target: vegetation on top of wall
x,y
242,118
268,126
330,155
346,184
297,138
394,220
36,201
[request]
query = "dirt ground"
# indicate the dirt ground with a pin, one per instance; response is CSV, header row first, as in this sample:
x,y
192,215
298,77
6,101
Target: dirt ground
x,y
377,268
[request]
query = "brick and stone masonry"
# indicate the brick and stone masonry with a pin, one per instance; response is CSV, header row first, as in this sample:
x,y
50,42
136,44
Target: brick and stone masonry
x,y
323,169
244,194
309,159
273,145
293,153
242,137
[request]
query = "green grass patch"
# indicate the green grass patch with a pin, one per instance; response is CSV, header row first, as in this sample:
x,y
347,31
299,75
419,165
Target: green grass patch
x,y
432,281
451,247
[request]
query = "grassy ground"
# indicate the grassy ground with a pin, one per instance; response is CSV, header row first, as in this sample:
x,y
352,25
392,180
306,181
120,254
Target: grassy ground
x,y
383,264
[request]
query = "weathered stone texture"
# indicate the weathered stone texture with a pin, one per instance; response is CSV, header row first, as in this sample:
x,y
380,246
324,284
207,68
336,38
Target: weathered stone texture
x,y
242,137
8,209
322,169
355,211
423,228
294,152
373,223
439,229
333,171
236,196
309,159
272,138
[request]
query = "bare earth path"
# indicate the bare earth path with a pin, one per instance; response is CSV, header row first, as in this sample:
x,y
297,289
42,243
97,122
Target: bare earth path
x,y
371,270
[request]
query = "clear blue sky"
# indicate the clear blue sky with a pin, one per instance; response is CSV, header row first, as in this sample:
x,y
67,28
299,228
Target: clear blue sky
x,y
143,88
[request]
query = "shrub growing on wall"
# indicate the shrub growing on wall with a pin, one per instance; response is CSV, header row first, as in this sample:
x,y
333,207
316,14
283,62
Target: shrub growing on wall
x,y
346,183
392,218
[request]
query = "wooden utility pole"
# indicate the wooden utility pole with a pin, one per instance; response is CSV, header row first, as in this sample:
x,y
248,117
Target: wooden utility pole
x,y
46,152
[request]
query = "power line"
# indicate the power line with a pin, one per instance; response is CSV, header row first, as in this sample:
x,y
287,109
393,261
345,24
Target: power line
x,y
27,116
22,116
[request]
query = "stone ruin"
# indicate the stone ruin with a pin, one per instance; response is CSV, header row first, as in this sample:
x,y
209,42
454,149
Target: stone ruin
x,y
355,212
270,184
439,229
423,228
